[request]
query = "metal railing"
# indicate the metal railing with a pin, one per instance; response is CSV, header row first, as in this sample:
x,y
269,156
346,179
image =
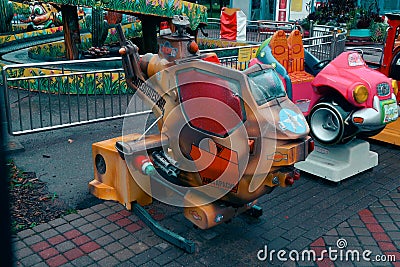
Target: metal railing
x,y
324,42
63,97
323,47
253,33
230,56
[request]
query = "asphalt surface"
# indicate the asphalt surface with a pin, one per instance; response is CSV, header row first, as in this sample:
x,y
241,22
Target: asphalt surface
x,y
63,158
19,56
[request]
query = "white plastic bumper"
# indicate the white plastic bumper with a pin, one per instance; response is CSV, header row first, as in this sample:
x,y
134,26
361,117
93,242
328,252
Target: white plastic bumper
x,y
375,118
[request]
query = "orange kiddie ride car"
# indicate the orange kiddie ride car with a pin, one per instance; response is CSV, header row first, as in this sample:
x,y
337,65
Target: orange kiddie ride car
x,y
342,98
226,137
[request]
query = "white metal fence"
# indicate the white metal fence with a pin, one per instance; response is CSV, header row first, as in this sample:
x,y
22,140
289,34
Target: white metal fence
x,y
65,94
327,44
256,31
324,42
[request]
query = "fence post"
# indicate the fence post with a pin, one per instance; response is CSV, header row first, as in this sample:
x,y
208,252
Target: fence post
x,y
333,44
6,254
3,102
311,28
10,144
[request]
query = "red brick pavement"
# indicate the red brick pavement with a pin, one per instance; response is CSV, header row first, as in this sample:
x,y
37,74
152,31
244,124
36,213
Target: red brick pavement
x,y
363,210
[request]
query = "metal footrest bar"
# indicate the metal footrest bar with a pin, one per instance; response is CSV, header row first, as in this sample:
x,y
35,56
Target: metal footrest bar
x,y
164,233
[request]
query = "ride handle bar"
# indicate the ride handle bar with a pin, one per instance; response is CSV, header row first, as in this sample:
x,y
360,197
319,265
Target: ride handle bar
x,y
130,56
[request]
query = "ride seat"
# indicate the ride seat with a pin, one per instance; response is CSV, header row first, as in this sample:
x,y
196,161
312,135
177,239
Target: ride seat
x,y
279,48
211,93
296,69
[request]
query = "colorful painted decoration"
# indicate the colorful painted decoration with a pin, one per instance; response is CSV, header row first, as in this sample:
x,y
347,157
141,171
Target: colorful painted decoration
x,y
197,14
4,39
292,121
42,16
56,50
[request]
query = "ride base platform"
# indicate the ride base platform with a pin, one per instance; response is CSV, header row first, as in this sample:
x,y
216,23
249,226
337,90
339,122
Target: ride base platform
x,y
391,134
339,162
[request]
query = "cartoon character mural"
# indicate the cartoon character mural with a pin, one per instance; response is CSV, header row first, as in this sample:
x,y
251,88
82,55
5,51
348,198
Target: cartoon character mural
x,y
42,16
81,13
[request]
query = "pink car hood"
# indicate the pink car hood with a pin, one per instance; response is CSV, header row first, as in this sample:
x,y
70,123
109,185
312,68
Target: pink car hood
x,y
348,70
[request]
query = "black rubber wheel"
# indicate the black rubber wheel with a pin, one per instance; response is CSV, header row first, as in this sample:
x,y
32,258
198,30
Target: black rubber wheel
x,y
326,122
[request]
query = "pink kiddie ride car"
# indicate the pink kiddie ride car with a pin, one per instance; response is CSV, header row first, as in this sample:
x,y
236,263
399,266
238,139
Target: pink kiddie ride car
x,y
341,98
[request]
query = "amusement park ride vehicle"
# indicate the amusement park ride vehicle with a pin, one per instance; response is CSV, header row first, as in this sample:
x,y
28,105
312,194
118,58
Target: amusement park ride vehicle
x,y
226,137
342,99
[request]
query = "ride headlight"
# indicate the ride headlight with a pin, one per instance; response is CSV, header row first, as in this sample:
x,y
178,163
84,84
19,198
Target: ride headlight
x,y
395,87
383,89
360,94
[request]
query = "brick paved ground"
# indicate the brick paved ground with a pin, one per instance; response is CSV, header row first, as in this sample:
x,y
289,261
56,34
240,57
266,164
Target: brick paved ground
x,y
313,214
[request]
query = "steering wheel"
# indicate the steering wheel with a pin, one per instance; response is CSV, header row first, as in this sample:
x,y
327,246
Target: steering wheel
x,y
322,64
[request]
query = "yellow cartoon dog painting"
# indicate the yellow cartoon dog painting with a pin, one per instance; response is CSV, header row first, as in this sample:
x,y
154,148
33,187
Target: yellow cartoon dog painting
x,y
42,16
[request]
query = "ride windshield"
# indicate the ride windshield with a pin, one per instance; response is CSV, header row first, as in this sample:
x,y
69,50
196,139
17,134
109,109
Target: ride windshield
x,y
265,86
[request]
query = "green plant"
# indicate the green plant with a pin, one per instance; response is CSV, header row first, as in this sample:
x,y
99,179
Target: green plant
x,y
352,23
339,12
70,211
378,31
16,227
99,27
54,196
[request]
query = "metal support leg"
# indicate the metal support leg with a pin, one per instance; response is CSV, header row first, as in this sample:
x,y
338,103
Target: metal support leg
x,y
255,211
162,232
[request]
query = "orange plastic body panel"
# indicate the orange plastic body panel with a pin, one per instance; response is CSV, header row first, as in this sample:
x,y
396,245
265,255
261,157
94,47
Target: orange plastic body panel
x,y
301,77
212,214
280,48
290,53
296,51
116,183
290,153
391,134
211,57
